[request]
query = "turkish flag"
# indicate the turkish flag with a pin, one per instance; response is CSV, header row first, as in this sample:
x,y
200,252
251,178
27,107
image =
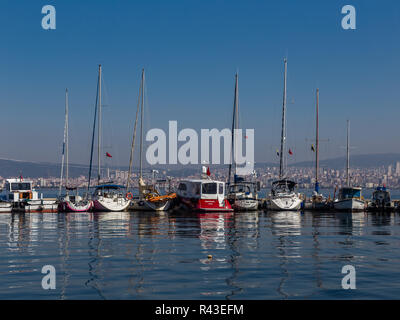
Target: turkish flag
x,y
108,155
208,171
290,152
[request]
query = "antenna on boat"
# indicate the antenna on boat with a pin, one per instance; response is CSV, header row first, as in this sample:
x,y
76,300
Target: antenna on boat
x,y
283,133
134,135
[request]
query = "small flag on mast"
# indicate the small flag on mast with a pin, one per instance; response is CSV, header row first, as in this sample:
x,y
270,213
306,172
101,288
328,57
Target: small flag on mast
x,y
208,171
312,148
108,155
290,152
277,152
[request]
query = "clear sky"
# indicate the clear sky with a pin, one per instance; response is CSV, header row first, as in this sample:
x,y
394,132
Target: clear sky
x,y
191,51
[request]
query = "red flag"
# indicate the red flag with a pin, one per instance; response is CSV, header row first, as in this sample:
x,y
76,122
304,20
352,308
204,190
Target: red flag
x,y
208,171
20,177
108,155
290,152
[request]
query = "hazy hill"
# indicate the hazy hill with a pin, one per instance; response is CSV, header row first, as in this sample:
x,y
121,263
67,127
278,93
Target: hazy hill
x,y
13,168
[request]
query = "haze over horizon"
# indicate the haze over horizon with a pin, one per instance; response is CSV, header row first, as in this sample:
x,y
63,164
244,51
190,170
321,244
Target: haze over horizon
x,y
191,52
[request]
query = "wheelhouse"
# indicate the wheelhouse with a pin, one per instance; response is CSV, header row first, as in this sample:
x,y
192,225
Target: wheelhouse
x,y
202,189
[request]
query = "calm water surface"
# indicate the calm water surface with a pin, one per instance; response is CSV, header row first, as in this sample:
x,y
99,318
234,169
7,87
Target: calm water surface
x,y
139,255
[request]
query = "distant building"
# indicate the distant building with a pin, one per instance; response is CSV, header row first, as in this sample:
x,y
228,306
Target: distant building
x,y
389,172
397,168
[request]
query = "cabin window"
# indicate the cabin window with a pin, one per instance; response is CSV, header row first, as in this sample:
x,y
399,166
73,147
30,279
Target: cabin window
x,y
182,187
209,188
10,197
20,186
221,188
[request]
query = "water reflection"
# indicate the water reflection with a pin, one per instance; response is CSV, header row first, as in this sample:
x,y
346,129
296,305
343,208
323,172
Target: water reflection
x,y
168,255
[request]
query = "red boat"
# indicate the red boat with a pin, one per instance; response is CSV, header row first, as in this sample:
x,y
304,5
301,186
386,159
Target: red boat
x,y
203,195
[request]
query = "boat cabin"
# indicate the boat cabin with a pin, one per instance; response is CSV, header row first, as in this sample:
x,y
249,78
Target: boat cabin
x,y
18,190
349,193
201,189
381,195
283,186
109,190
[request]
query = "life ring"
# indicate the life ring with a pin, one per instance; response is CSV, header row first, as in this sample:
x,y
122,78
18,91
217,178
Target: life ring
x,y
129,196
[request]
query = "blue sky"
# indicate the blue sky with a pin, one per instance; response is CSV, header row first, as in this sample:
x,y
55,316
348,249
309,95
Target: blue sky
x,y
191,51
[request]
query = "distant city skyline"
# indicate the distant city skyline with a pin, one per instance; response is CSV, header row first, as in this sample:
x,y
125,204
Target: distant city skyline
x,y
191,52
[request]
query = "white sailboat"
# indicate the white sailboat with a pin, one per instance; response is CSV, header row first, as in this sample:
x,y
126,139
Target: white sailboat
x,y
149,198
283,194
242,194
69,202
349,198
108,196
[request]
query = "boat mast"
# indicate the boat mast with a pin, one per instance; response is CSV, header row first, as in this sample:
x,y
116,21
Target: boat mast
x,y
67,140
234,126
99,131
64,144
93,134
141,127
134,135
348,155
283,133
317,146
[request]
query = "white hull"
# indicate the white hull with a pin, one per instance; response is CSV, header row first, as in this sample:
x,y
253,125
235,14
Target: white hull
x,y
245,205
292,202
36,206
349,205
143,205
5,207
111,204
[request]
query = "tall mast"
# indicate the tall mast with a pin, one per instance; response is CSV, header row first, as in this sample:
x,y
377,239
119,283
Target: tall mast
x,y
348,155
67,140
64,144
283,133
134,136
93,135
317,145
141,126
99,131
234,126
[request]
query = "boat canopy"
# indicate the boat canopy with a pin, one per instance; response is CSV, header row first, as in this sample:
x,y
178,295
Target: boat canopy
x,y
291,184
348,193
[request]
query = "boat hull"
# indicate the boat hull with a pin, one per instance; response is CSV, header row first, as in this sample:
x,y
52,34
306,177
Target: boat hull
x,y
5,207
349,205
204,205
108,204
245,205
285,203
69,206
143,205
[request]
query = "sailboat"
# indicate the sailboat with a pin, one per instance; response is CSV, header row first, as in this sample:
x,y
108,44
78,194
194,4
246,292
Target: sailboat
x,y
350,198
283,195
70,203
149,198
242,195
107,196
